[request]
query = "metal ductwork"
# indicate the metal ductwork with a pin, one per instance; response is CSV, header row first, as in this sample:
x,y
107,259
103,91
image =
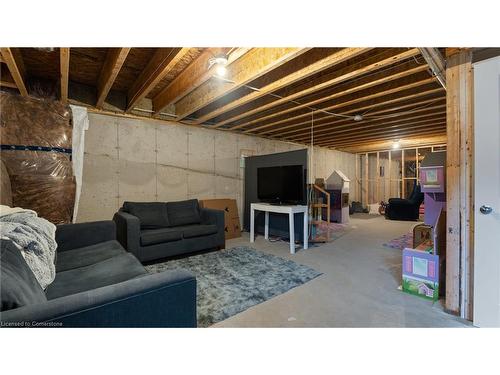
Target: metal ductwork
x,y
436,62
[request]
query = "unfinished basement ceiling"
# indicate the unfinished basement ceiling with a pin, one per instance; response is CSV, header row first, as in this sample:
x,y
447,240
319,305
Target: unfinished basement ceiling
x,y
303,95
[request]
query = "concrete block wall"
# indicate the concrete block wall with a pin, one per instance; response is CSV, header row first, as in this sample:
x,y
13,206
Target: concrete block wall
x,y
146,160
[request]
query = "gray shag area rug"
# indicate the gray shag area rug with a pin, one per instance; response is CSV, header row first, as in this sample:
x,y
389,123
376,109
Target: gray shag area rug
x,y
232,280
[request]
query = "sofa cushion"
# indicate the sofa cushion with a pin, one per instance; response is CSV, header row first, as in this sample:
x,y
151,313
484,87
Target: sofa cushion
x,y
198,230
18,284
85,256
152,215
111,271
183,212
156,236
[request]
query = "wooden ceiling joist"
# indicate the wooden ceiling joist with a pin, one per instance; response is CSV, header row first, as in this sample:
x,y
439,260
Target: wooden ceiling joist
x,y
252,65
437,129
112,65
6,79
352,126
346,74
407,142
360,99
159,66
192,77
313,68
10,84
14,62
437,126
64,54
428,121
267,92
300,128
305,110
425,121
440,129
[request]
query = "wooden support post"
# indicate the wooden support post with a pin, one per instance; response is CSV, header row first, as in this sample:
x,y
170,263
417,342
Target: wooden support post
x,y
403,187
459,175
366,180
358,178
377,179
389,173
64,70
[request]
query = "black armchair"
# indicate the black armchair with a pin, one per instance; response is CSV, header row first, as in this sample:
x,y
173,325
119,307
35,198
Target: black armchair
x,y
405,209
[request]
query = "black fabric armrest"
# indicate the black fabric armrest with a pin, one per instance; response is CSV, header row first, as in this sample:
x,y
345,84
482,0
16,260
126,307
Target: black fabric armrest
x,y
166,299
128,230
73,236
216,217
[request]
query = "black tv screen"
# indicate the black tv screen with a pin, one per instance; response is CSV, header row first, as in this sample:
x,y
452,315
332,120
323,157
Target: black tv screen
x,y
283,184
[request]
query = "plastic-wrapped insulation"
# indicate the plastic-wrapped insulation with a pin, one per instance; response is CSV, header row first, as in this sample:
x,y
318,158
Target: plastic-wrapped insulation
x,y
36,141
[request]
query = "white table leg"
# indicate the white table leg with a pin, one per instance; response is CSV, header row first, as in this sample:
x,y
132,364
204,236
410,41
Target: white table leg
x,y
252,224
306,232
266,227
292,233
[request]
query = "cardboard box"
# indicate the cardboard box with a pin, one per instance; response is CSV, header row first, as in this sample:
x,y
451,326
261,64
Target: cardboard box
x,y
227,205
231,217
233,229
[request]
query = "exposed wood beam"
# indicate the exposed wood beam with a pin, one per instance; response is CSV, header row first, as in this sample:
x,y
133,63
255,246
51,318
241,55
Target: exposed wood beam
x,y
430,121
427,123
252,65
160,64
64,72
16,67
10,84
439,127
438,130
387,144
301,128
352,126
373,85
6,79
459,179
112,65
314,67
398,135
376,94
345,75
192,77
293,128
436,62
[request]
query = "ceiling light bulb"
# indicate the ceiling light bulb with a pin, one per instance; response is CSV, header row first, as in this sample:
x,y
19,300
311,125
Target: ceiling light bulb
x,y
221,70
396,145
221,60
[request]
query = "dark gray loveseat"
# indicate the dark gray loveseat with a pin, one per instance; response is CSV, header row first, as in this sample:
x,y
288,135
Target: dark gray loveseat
x,y
97,284
154,230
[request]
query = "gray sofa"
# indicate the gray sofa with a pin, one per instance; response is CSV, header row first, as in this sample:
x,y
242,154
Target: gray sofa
x,y
154,230
97,284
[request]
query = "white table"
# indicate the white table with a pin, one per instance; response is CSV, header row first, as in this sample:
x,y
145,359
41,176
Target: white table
x,y
281,209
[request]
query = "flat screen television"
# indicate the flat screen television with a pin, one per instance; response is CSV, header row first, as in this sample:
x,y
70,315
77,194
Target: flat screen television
x,y
281,185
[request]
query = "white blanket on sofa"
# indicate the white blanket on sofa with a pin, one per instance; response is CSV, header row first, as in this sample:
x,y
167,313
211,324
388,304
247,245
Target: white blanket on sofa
x,y
35,237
